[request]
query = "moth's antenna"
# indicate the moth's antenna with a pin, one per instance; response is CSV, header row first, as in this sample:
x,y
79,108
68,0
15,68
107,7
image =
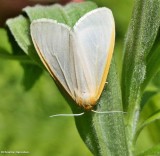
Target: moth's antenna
x,y
66,115
107,112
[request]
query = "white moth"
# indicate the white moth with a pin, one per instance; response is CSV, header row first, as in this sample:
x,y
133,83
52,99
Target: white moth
x,y
77,58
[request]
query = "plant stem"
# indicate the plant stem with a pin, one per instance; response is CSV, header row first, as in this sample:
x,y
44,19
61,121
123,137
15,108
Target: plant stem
x,y
140,38
104,134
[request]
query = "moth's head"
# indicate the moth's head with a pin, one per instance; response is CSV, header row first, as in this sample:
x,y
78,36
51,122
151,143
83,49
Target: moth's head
x,y
87,107
87,104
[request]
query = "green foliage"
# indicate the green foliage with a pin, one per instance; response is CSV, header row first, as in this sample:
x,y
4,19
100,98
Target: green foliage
x,y
106,134
151,119
24,116
155,151
140,38
22,46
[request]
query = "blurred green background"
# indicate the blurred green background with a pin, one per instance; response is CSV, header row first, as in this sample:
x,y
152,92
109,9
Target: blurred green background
x,y
24,116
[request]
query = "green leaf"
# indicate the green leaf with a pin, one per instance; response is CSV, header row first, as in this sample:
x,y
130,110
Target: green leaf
x,y
155,116
156,81
31,75
19,28
149,136
75,11
67,15
154,151
153,65
6,49
146,97
54,12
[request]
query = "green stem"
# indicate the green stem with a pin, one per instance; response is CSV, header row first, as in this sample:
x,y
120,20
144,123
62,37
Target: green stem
x,y
140,38
132,119
104,134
